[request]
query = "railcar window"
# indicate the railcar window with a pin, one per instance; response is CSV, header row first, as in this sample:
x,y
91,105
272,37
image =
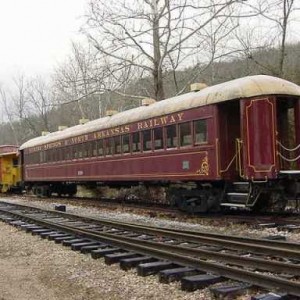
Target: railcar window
x,y
63,153
89,149
94,148
49,156
42,156
75,151
117,142
15,162
158,138
200,131
68,153
136,142
85,149
171,136
58,154
80,150
125,143
185,134
54,154
109,146
100,147
147,142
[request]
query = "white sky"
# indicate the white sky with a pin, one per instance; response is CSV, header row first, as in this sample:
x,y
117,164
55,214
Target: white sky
x,y
36,34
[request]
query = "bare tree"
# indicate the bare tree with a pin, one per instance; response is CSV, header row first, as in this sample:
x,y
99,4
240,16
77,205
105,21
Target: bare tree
x,y
269,30
27,103
39,101
74,79
9,116
155,36
87,76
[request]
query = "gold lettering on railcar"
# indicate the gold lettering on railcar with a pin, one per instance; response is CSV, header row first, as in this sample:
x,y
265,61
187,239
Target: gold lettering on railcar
x,y
155,122
148,124
111,132
78,139
204,168
35,149
52,145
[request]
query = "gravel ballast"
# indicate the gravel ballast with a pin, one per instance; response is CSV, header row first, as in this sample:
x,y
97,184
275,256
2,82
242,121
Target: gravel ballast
x,y
34,268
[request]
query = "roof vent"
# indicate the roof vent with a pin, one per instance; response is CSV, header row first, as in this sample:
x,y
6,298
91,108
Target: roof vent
x,y
195,87
44,133
83,121
110,113
148,101
61,128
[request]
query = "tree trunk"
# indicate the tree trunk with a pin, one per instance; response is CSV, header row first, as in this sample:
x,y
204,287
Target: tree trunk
x,y
157,68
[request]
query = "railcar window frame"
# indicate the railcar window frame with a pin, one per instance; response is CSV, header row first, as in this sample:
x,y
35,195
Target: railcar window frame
x,y
150,141
80,151
85,151
161,139
59,154
180,125
109,144
50,155
74,152
117,145
41,156
167,147
68,153
15,162
100,146
136,147
204,132
123,136
94,148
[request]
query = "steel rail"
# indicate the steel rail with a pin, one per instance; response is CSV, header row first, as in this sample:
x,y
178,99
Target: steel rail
x,y
213,239
164,251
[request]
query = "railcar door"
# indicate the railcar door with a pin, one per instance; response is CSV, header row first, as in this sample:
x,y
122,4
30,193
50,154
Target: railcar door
x,y
288,133
259,138
229,134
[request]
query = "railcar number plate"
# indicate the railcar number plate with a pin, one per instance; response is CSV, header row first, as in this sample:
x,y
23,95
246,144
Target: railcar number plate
x,y
185,165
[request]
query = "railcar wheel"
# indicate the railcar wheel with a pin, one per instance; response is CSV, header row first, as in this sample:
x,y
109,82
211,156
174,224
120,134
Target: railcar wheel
x,y
277,201
196,201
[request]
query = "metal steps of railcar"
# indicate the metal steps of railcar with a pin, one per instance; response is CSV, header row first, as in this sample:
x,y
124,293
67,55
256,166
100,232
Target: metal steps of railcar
x,y
229,204
237,197
241,186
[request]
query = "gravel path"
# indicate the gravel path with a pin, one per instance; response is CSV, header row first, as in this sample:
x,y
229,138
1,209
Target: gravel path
x,y
33,269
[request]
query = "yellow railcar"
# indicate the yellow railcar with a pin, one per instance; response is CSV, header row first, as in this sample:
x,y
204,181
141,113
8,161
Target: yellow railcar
x,y
10,171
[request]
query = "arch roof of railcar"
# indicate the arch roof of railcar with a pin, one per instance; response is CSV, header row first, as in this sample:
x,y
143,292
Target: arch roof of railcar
x,y
245,87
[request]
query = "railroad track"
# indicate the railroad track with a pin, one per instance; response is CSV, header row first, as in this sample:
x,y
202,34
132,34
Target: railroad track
x,y
285,221
175,254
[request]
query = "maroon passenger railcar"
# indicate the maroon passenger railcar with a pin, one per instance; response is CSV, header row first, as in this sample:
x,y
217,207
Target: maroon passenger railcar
x,y
232,144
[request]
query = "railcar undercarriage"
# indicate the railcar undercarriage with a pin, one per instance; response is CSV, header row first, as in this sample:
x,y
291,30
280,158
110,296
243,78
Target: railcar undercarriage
x,y
194,197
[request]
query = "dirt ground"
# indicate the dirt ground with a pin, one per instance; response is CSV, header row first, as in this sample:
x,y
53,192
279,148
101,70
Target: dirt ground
x,y
32,268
